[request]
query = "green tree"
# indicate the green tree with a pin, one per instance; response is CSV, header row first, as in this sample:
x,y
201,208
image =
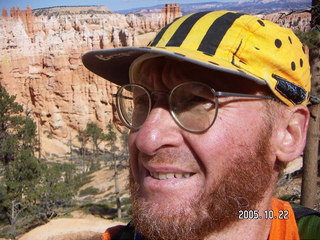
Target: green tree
x,y
95,134
56,188
3,197
10,126
21,169
29,189
83,138
111,137
117,157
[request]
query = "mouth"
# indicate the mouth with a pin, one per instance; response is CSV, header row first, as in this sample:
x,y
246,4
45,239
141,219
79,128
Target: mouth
x,y
164,176
167,181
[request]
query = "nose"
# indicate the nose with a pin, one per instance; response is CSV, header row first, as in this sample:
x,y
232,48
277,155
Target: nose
x,y
158,131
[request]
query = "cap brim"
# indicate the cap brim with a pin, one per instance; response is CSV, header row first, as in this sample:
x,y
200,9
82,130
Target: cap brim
x,y
114,64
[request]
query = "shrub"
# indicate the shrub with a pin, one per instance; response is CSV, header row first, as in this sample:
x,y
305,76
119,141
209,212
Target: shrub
x,y
89,191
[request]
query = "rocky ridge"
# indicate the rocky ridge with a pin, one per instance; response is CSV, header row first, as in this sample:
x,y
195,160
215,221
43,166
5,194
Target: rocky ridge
x,y
246,6
298,21
40,63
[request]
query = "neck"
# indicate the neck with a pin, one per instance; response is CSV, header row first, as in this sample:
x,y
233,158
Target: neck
x,y
244,229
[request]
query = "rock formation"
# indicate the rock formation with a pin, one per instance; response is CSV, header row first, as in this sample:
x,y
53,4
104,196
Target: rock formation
x,y
298,21
40,63
4,12
171,11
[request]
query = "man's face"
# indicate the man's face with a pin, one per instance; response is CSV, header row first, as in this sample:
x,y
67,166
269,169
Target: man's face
x,y
187,185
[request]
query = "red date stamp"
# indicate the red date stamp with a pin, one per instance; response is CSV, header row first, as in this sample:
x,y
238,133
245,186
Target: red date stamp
x,y
266,214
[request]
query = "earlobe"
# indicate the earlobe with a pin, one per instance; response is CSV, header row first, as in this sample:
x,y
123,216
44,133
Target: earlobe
x,y
291,135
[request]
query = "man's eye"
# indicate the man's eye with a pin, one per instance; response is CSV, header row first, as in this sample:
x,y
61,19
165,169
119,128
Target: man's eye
x,y
199,99
209,106
206,103
140,100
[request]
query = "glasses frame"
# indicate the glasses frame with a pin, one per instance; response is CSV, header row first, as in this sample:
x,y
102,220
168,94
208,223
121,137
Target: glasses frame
x,y
216,94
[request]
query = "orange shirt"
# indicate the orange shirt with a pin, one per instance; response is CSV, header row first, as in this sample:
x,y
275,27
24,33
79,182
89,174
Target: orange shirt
x,y
111,231
283,229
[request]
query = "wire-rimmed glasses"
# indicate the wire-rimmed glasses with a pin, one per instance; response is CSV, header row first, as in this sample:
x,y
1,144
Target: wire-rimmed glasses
x,y
193,105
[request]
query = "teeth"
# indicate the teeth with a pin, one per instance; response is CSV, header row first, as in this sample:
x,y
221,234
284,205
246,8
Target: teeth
x,y
186,175
178,175
163,176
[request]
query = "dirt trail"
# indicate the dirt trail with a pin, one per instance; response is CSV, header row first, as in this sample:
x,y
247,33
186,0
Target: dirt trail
x,y
89,228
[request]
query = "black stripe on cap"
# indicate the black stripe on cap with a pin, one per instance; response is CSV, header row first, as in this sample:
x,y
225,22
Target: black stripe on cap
x,y
160,34
216,32
183,30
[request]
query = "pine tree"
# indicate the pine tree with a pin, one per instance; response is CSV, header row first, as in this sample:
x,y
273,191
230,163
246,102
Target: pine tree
x,y
21,169
55,189
96,135
10,126
29,189
117,157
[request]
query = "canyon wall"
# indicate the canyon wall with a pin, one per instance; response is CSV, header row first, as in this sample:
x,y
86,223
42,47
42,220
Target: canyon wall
x,y
40,63
298,21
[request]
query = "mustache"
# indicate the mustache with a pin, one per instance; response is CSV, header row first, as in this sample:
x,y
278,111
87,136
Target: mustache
x,y
175,158
167,156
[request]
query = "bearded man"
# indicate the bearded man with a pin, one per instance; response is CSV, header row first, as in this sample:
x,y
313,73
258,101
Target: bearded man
x,y
216,105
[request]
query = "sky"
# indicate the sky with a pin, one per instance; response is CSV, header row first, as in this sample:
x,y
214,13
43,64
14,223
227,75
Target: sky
x,y
112,5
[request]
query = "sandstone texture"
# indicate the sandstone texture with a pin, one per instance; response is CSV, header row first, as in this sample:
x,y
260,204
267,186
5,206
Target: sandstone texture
x,y
299,21
171,11
40,63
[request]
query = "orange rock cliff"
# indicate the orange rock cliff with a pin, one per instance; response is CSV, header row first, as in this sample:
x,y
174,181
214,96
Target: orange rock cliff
x,y
40,63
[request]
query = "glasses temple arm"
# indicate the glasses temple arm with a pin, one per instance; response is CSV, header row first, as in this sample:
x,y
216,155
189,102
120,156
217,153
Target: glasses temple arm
x,y
228,94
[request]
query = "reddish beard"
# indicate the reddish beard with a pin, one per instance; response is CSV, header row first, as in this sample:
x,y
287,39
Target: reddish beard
x,y
241,188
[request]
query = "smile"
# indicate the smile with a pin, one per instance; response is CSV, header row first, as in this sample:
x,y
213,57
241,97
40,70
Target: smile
x,y
163,176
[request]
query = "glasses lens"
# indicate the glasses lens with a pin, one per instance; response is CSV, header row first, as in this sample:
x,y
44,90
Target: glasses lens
x,y
194,106
134,105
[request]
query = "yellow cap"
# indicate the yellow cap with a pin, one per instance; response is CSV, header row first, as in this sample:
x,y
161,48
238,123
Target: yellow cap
x,y
225,41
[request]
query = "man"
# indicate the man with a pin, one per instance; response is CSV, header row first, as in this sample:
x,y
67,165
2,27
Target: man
x,y
216,105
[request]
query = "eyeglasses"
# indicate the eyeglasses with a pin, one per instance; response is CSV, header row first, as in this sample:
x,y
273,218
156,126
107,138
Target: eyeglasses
x,y
192,105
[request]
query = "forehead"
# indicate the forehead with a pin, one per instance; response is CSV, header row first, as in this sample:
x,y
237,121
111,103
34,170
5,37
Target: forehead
x,y
165,73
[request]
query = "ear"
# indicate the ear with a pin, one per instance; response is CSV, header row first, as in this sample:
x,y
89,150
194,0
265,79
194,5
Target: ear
x,y
292,132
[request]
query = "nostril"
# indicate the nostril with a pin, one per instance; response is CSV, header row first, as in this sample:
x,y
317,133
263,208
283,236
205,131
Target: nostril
x,y
158,131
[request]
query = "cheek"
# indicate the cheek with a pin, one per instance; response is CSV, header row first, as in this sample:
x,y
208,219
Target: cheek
x,y
213,153
219,148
